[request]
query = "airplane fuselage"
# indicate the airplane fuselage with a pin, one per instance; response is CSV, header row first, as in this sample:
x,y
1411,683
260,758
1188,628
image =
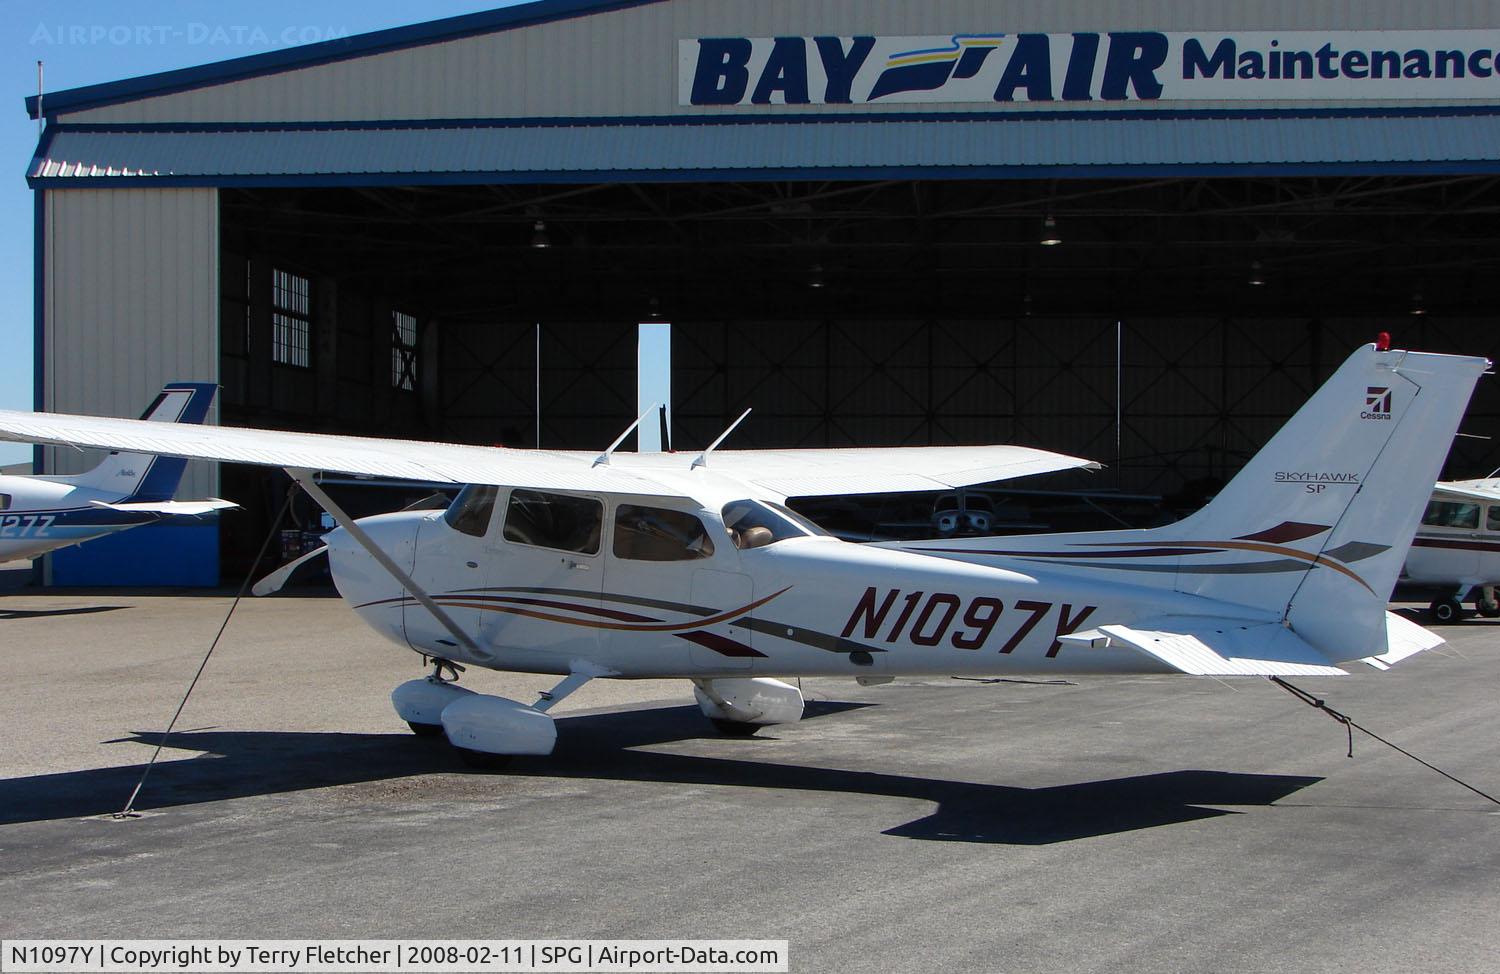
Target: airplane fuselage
x,y
801,605
38,516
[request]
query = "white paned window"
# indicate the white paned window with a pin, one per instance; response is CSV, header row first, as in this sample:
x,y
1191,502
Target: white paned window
x,y
403,351
291,319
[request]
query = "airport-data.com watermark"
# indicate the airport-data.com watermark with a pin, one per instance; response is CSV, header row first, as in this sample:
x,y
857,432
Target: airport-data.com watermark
x,y
196,34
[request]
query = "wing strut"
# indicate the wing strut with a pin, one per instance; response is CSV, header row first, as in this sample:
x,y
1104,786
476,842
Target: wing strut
x,y
304,479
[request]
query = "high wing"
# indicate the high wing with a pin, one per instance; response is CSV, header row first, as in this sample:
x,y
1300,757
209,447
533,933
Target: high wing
x,y
781,473
1475,490
888,470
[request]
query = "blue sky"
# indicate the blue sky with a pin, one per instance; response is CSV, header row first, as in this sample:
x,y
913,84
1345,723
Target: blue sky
x,y
84,42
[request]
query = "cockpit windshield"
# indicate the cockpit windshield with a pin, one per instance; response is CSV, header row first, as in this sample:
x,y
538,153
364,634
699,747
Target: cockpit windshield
x,y
471,509
755,524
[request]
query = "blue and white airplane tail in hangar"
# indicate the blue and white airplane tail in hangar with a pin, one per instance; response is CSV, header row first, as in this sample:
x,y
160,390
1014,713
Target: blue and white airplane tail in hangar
x,y
126,490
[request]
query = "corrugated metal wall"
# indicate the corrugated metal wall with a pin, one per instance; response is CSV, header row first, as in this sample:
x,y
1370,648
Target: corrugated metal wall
x,y
1196,397
488,382
625,62
131,303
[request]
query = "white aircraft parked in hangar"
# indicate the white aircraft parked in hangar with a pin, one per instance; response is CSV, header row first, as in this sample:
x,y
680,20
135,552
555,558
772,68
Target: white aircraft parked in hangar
x,y
680,565
1457,548
39,514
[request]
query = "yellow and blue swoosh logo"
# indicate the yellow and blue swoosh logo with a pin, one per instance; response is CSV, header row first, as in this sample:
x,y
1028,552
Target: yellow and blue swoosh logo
x,y
931,68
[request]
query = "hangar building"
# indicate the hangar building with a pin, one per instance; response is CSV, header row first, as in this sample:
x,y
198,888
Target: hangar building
x,y
1139,233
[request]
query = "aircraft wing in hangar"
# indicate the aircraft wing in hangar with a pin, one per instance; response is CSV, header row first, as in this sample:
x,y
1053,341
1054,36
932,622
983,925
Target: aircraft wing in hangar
x,y
766,473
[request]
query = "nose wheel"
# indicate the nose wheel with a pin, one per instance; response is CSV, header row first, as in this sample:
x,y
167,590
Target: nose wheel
x,y
420,702
1446,610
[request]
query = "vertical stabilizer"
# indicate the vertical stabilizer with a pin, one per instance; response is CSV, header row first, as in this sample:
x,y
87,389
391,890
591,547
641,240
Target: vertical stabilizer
x,y
1313,531
139,477
1317,525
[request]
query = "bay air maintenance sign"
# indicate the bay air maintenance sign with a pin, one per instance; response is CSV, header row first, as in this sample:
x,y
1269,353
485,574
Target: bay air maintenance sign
x,y
1143,66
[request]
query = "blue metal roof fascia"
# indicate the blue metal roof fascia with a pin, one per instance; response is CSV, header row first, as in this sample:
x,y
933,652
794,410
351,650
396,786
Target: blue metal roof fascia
x,y
225,158
324,52
783,118
851,174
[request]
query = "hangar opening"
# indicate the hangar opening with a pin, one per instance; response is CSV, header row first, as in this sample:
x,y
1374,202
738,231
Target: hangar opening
x,y
1167,332
443,232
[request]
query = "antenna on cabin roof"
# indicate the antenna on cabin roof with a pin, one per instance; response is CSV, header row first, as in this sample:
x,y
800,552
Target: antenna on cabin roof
x,y
702,460
604,457
41,118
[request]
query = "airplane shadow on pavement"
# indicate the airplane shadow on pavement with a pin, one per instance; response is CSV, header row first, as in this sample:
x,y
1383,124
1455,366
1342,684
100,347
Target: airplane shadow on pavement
x,y
48,613
600,746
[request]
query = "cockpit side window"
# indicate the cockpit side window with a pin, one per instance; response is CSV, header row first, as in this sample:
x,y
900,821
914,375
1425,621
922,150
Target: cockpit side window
x,y
558,521
471,509
658,534
755,524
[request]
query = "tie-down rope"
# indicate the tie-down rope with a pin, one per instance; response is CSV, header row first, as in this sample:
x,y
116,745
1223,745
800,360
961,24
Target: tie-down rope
x,y
129,810
1351,726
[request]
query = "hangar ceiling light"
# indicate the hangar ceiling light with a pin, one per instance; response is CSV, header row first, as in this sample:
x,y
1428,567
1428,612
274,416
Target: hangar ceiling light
x,y
1050,236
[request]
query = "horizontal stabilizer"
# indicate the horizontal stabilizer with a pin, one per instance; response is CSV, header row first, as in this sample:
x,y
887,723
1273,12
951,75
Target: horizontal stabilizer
x,y
1205,646
190,508
1403,638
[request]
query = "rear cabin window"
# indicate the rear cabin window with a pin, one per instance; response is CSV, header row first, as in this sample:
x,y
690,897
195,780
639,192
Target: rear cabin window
x,y
4,502
556,521
1491,520
471,509
657,534
1449,514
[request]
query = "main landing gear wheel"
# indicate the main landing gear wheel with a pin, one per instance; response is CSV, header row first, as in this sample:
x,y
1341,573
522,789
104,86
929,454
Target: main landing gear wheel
x,y
484,760
1445,610
425,730
1488,608
735,728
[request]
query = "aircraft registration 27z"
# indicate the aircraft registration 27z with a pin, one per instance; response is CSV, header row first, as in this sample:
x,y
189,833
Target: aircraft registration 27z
x,y
25,525
926,619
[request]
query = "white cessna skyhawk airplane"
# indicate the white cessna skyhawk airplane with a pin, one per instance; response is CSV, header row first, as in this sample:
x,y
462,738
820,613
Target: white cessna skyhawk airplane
x,y
683,565
126,490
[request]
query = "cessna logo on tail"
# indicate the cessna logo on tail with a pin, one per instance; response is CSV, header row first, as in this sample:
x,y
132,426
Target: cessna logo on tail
x,y
1377,403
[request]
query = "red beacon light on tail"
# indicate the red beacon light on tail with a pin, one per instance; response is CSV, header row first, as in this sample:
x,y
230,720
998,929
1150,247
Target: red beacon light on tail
x,y
1383,342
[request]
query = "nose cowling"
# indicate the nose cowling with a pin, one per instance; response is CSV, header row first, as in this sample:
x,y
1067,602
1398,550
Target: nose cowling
x,y
359,576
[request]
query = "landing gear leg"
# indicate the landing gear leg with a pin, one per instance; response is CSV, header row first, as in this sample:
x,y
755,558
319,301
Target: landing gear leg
x,y
1487,605
420,702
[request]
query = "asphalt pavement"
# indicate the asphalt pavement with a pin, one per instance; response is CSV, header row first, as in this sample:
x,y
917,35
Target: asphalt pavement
x,y
1116,825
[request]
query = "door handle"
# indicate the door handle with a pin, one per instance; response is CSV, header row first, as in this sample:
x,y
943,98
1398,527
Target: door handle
x,y
577,565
